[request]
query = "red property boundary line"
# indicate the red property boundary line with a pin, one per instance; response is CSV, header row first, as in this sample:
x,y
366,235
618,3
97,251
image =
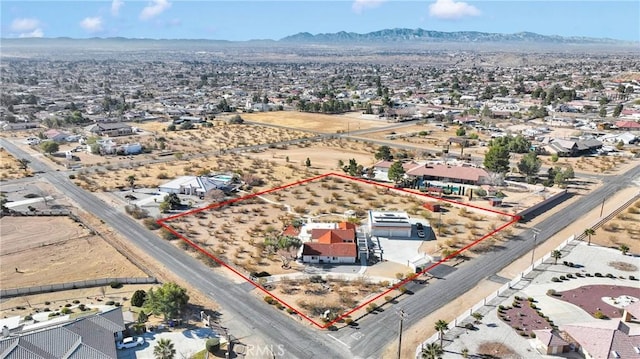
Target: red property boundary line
x,y
163,223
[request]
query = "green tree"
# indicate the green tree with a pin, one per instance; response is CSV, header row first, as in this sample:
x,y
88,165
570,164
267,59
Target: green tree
x,y
617,110
49,147
396,172
556,254
164,349
172,200
432,351
529,166
186,125
285,246
307,162
624,249
384,153
169,300
589,232
461,131
554,157
23,164
138,297
497,159
353,168
440,326
518,144
132,181
602,112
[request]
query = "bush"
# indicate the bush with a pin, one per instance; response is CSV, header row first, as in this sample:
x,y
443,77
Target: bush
x,y
137,300
569,275
260,274
65,310
609,275
75,301
632,277
469,326
555,279
82,307
110,302
115,285
168,235
290,311
563,277
599,315
530,299
28,317
212,345
551,292
72,176
599,275
269,299
151,224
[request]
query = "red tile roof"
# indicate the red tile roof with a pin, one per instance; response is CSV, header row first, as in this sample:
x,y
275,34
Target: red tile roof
x,y
291,231
330,250
333,235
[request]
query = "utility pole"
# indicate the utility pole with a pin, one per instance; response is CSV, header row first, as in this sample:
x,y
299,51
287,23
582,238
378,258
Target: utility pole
x,y
533,251
402,314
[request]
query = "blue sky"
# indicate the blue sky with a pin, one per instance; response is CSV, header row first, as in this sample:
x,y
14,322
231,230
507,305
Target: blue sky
x,y
240,20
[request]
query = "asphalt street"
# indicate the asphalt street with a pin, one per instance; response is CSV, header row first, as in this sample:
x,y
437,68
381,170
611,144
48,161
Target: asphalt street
x,y
375,331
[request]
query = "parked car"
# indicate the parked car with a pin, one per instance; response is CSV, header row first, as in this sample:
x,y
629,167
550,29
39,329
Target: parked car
x,y
130,342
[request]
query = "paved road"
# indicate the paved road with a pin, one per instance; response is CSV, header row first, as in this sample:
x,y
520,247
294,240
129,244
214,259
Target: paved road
x,y
376,331
299,341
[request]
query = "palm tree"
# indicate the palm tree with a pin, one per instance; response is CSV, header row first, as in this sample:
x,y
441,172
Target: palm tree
x,y
589,232
624,249
432,351
441,326
465,353
556,254
132,180
164,349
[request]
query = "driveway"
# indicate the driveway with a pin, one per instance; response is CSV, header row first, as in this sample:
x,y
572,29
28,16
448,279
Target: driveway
x,y
186,342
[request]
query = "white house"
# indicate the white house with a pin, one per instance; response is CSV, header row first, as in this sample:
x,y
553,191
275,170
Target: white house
x,y
389,224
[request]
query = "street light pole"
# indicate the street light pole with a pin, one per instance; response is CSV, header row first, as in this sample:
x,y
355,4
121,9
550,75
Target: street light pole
x,y
533,251
401,313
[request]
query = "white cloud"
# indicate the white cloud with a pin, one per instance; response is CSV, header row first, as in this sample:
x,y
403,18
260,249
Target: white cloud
x,y
115,7
37,32
360,5
452,10
24,24
155,8
92,24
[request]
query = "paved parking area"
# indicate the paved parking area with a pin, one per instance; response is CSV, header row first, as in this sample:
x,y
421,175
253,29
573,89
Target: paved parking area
x,y
187,342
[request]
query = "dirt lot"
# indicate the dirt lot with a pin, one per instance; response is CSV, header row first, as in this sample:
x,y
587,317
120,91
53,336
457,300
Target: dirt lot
x,y
58,242
316,122
235,233
9,167
622,229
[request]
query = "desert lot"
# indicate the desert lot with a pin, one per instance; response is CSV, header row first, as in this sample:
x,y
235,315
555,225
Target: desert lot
x,y
46,250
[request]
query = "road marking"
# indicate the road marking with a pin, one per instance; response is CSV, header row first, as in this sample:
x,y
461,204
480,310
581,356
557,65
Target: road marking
x,y
340,341
357,335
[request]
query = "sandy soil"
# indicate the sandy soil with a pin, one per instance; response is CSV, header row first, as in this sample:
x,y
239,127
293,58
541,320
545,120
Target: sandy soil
x,y
9,167
59,242
316,122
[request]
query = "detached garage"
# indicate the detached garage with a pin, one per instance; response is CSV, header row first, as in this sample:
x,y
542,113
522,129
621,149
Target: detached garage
x,y
389,224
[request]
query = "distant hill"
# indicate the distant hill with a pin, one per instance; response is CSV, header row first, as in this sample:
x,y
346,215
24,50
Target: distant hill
x,y
420,35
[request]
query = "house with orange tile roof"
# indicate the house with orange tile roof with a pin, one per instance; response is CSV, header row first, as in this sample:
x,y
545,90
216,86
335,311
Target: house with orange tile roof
x,y
331,245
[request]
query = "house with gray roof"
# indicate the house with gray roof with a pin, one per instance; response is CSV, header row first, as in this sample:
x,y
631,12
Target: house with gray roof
x,y
92,336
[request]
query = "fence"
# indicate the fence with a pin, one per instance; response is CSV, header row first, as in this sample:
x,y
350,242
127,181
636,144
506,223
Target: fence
x,y
544,203
8,293
512,287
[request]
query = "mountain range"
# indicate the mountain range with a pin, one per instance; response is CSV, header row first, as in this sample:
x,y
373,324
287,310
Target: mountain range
x,y
421,35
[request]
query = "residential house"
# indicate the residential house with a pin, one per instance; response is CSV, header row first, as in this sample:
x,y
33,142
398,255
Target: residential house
x,y
56,135
199,185
605,339
628,125
336,245
448,173
572,148
92,336
110,129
